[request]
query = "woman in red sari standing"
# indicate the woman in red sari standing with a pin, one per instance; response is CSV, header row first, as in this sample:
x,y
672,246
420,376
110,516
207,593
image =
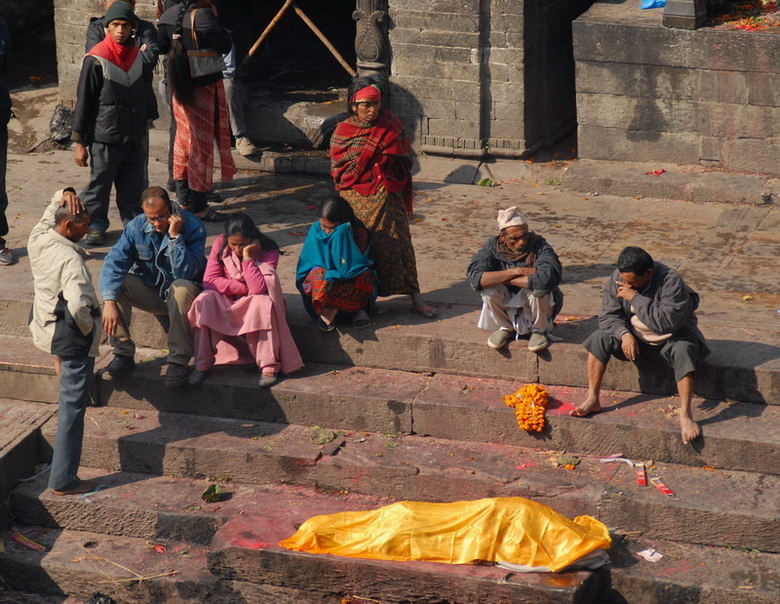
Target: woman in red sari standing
x,y
371,162
198,103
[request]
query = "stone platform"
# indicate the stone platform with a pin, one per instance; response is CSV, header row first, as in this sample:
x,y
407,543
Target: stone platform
x,y
649,93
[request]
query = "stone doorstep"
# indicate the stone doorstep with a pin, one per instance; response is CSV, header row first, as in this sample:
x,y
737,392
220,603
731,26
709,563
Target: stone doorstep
x,y
714,506
80,563
678,182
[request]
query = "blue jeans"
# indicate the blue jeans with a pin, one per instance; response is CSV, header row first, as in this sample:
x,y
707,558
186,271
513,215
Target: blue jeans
x,y
75,381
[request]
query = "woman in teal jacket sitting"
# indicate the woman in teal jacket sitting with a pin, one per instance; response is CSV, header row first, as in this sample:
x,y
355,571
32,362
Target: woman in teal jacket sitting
x,y
334,271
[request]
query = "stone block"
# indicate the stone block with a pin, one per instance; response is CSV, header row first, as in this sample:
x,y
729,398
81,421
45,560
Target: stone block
x,y
404,35
465,128
456,22
424,87
453,55
467,111
723,86
597,142
763,89
455,39
658,81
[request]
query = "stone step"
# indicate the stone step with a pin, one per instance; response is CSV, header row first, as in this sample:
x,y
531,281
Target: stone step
x,y
20,424
77,564
711,506
692,573
245,552
176,444
245,548
737,436
679,182
746,371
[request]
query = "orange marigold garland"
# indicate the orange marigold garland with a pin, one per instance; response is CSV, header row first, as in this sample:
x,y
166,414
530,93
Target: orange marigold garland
x,y
529,403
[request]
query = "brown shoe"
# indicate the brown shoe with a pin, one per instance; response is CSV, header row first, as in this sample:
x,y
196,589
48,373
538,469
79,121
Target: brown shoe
x,y
85,486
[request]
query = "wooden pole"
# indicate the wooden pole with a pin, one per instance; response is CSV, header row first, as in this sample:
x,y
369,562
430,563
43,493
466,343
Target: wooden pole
x,y
267,30
324,40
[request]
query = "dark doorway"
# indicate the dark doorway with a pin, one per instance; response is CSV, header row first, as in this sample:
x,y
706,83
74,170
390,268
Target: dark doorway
x,y
292,60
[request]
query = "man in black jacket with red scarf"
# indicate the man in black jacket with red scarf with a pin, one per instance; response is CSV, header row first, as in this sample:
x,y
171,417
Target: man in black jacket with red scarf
x,y
115,102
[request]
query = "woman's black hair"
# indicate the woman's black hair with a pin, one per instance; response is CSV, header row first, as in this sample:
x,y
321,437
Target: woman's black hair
x,y
178,63
357,84
242,224
336,209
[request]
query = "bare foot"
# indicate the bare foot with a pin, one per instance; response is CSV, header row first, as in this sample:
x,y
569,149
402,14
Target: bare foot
x,y
591,405
688,428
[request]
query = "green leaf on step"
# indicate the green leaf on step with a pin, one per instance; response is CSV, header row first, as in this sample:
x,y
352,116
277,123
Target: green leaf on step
x,y
486,182
212,493
320,436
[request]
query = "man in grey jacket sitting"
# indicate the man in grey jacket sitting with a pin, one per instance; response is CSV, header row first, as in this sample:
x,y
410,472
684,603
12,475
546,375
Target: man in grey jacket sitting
x,y
517,274
65,323
647,310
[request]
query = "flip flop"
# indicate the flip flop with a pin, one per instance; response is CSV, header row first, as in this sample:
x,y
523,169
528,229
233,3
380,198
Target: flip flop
x,y
361,323
425,313
325,326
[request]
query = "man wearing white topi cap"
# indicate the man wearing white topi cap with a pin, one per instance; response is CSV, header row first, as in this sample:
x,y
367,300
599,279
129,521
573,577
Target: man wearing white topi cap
x,y
517,274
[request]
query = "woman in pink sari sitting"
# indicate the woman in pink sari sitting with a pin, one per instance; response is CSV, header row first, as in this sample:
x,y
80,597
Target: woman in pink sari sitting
x,y
240,316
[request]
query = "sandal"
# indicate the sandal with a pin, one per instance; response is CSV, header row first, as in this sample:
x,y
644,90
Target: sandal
x,y
425,313
267,380
212,215
325,326
361,321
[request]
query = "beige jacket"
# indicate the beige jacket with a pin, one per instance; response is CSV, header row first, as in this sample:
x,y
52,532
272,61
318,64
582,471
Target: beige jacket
x,y
59,267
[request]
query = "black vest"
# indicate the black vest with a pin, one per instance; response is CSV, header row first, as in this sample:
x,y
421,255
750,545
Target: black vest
x,y
124,108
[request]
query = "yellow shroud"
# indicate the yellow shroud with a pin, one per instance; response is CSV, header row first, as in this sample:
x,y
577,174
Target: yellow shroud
x,y
503,529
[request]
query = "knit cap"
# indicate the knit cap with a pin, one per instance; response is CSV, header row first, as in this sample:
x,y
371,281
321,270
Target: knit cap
x,y
120,11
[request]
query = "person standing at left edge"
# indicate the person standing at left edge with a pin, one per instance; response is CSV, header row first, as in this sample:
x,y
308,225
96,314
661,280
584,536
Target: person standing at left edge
x,y
66,323
6,256
115,102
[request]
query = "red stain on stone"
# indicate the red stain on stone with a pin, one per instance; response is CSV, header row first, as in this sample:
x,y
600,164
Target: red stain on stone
x,y
252,544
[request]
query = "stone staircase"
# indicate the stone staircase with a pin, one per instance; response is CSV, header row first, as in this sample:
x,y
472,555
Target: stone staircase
x,y
404,411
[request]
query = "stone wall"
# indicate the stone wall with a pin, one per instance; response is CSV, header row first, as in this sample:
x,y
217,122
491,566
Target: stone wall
x,y
649,93
483,77
71,18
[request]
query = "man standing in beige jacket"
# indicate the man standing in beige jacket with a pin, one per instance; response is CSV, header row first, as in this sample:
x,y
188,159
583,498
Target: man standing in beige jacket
x,y
66,323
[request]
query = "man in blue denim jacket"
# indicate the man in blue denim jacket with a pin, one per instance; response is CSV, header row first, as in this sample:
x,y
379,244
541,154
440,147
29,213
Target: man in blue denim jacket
x,y
157,266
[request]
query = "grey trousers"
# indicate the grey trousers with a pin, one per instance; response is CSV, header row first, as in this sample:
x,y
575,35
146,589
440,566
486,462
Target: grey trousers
x,y
122,166
75,380
135,293
680,353
235,94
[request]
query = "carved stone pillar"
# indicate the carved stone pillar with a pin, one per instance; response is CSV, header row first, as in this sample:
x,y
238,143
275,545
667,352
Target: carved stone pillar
x,y
685,14
371,43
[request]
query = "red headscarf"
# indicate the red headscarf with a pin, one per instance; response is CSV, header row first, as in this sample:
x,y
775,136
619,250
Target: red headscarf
x,y
368,93
121,55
